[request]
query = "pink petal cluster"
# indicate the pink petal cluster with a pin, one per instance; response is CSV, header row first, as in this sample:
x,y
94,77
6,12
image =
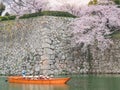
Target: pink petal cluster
x,y
95,24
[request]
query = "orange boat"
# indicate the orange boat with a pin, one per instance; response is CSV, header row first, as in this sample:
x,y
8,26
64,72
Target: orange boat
x,y
37,80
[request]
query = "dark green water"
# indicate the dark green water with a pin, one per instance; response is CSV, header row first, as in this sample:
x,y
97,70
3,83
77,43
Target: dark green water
x,y
77,82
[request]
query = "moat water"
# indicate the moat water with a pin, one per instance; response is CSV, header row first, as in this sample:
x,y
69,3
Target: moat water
x,y
77,82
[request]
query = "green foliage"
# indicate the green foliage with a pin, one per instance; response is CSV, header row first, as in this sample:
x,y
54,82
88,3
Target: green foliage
x,y
116,35
44,13
4,18
93,2
58,13
31,15
117,1
48,13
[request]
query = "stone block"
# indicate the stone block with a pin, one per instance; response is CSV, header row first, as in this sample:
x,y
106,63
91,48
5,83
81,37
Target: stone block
x,y
48,51
45,45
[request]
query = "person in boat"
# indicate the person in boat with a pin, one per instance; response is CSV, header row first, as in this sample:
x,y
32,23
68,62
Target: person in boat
x,y
44,77
23,73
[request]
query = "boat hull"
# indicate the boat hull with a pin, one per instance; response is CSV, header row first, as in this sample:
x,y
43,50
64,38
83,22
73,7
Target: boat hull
x,y
20,79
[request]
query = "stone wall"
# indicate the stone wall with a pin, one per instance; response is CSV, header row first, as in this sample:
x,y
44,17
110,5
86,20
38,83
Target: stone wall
x,y
42,45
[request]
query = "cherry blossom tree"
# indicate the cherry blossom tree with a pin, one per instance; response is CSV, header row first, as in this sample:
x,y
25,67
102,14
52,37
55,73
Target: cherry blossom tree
x,y
20,7
94,25
67,4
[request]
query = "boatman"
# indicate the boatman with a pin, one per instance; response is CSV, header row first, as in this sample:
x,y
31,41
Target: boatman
x,y
23,73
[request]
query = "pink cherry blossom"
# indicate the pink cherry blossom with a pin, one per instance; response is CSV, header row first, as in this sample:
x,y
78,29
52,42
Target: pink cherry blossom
x,y
95,24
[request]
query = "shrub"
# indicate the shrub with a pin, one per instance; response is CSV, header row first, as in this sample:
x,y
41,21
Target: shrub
x,y
48,13
4,18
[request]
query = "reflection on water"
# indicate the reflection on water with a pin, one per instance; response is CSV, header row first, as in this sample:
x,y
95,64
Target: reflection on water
x,y
13,86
